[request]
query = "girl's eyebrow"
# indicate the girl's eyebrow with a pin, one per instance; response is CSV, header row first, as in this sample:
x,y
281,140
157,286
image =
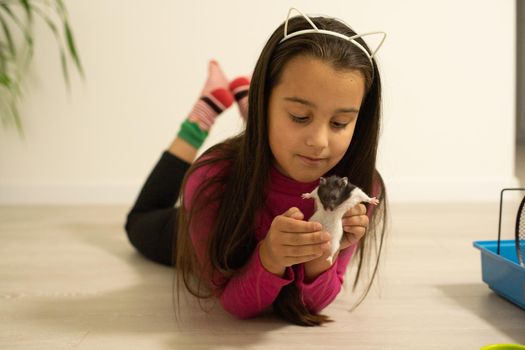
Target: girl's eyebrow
x,y
311,104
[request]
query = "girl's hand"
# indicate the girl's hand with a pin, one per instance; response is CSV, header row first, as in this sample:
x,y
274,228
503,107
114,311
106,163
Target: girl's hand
x,y
355,223
291,241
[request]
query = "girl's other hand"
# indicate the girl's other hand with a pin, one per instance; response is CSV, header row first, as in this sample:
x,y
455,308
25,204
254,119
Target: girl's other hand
x,y
291,241
355,223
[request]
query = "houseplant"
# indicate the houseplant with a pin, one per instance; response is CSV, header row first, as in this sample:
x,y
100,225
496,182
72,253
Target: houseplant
x,y
17,20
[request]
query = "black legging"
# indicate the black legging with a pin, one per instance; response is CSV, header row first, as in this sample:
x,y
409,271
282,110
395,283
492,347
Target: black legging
x,y
151,223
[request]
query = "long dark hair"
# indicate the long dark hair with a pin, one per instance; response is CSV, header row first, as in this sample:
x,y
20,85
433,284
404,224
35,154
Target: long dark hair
x,y
237,190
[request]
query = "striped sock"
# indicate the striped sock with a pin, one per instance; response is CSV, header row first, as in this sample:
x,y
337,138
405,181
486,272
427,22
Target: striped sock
x,y
215,98
196,128
239,88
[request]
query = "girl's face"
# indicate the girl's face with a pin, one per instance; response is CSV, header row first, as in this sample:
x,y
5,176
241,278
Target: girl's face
x,y
312,115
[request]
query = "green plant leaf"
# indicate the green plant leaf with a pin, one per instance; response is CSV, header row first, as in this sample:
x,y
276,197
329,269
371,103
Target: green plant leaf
x,y
65,72
72,48
69,40
16,115
14,59
9,38
26,29
5,80
4,63
61,8
73,51
27,7
54,30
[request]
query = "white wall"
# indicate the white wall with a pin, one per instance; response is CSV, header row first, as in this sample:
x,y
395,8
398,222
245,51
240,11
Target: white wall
x,y
520,87
448,71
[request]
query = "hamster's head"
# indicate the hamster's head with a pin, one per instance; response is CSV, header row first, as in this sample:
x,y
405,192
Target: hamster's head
x,y
332,191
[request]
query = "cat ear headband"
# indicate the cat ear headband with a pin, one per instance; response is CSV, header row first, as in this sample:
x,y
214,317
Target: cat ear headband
x,y
314,29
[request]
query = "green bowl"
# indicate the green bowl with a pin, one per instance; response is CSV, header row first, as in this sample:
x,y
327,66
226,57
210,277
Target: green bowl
x,y
503,347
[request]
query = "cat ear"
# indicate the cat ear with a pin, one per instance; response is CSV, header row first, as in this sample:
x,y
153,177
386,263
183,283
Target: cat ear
x,y
322,181
352,39
344,181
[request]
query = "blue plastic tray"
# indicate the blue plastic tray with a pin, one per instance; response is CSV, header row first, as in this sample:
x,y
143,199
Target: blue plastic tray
x,y
502,272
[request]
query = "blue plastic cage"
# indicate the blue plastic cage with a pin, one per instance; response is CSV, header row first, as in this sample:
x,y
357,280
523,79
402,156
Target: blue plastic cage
x,y
502,272
500,266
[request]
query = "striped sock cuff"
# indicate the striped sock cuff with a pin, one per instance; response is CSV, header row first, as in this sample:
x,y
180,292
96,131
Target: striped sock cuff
x,y
239,87
192,133
208,107
204,112
196,127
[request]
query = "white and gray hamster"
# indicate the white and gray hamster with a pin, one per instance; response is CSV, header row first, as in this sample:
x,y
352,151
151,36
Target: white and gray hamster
x,y
333,198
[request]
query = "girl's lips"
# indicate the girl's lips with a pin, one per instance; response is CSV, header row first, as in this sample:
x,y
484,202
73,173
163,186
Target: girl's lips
x,y
311,161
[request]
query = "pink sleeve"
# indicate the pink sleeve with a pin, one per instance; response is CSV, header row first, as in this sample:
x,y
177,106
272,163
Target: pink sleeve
x,y
253,288
320,292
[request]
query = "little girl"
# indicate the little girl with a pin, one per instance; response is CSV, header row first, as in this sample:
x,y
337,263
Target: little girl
x,y
241,233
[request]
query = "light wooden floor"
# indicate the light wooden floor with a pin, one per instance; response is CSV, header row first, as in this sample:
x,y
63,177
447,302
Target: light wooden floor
x,y
70,280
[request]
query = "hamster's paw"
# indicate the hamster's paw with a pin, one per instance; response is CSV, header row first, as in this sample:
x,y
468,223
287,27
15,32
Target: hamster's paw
x,y
374,201
306,196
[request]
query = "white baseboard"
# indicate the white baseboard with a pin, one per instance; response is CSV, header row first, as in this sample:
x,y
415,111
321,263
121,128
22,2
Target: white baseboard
x,y
399,190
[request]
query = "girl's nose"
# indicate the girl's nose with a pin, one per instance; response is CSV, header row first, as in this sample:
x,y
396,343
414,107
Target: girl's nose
x,y
317,137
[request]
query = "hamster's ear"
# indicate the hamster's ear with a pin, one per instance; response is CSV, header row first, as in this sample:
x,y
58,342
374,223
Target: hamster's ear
x,y
344,181
322,181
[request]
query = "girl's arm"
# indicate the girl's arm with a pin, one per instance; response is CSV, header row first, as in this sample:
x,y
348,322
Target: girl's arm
x,y
252,289
319,292
322,290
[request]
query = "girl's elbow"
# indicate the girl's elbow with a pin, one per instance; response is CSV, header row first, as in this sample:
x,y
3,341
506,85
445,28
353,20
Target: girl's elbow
x,y
240,313
318,305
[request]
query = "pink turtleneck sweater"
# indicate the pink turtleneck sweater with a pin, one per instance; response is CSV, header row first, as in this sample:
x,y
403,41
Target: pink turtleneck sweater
x,y
253,289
